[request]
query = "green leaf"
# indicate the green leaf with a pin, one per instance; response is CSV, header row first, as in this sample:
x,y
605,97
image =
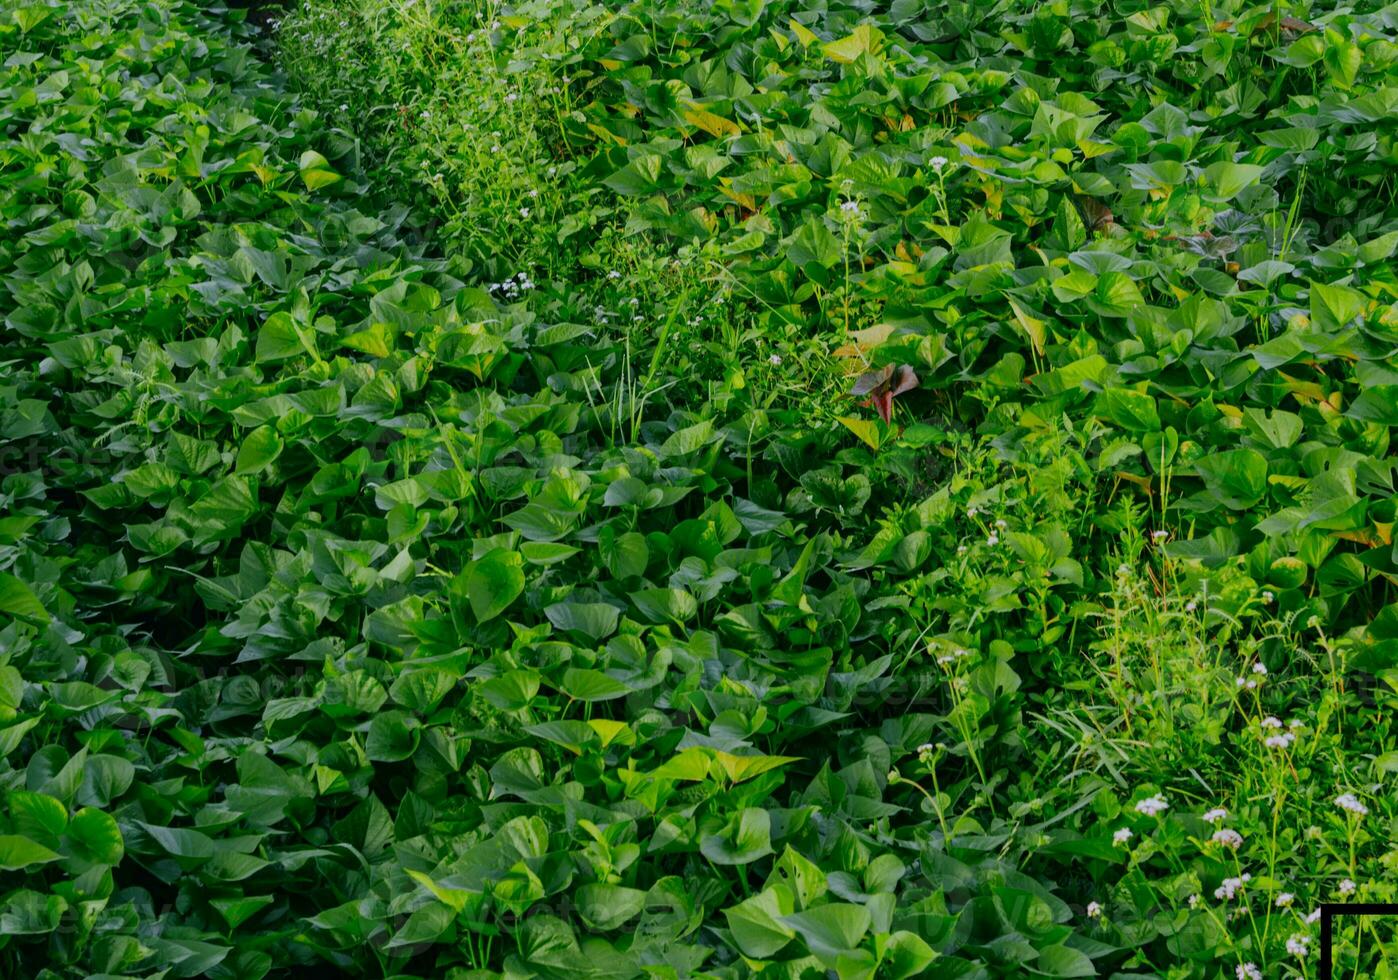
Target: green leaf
x,y
1229,179
393,736
1064,961
19,601
493,582
585,684
426,925
1376,404
236,911
1333,307
259,450
830,930
1134,411
906,954
18,853
665,605
181,842
37,815
1237,479
757,923
1342,60
593,620
864,39
746,837
607,907
93,838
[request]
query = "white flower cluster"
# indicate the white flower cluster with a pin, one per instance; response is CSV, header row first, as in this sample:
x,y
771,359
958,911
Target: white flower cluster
x,y
1231,886
513,287
1298,945
956,654
1259,671
1248,971
1152,805
1215,815
1350,802
1228,838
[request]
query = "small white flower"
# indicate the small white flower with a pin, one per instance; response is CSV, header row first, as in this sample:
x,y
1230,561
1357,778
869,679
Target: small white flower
x,y
1251,684
1215,815
1194,901
1094,910
972,511
1297,945
613,274
1248,971
1121,836
524,212
1313,916
1271,721
993,540
1347,887
1350,802
1259,668
1190,606
1228,838
1267,595
938,163
1282,741
1001,524
1159,535
1231,886
1152,805
1285,899
850,207
774,360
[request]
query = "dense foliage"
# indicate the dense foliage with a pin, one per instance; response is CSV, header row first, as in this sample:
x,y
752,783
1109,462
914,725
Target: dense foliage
x,y
680,489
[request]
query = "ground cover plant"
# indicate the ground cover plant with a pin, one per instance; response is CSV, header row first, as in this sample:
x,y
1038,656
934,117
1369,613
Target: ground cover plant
x,y
1363,946
695,490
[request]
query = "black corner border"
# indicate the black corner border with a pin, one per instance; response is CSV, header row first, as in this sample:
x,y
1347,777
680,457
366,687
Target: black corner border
x,y
1328,910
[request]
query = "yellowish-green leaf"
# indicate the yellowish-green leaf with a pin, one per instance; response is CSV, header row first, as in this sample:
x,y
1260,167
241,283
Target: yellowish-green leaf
x,y
711,123
1033,327
865,39
866,429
